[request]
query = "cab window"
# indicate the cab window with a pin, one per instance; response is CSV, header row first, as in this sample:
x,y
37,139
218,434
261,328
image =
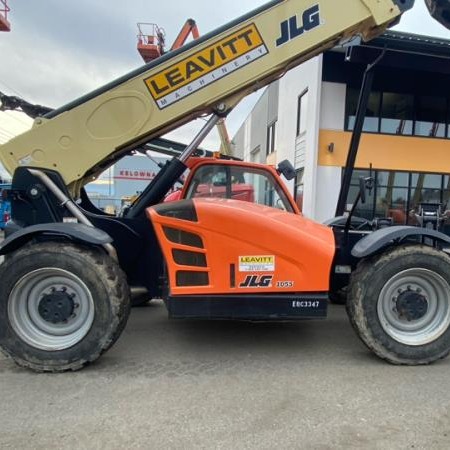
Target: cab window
x,y
238,183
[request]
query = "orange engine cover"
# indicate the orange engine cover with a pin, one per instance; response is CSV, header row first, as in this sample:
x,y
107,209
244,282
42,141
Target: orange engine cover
x,y
222,246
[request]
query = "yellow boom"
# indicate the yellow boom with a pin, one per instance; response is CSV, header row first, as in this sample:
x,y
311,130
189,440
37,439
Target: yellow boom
x,y
84,137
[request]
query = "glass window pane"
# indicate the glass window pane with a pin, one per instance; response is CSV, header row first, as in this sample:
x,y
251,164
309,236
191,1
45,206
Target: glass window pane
x,y
382,178
430,116
357,173
371,121
362,210
392,202
425,188
397,179
237,183
426,180
397,113
447,182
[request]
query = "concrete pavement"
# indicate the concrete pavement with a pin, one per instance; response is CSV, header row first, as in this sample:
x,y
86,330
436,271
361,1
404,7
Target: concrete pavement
x,y
172,384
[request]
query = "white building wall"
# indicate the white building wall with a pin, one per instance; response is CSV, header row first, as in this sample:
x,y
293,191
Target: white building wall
x,y
325,110
252,133
304,149
332,117
327,192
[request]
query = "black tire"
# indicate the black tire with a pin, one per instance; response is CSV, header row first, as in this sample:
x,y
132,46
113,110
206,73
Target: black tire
x,y
105,305
403,275
338,297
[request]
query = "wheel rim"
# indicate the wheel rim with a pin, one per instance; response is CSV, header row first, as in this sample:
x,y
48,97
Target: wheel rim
x,y
414,306
61,325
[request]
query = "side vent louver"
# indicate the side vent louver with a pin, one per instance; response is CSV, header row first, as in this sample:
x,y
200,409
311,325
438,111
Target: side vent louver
x,y
187,278
183,237
187,258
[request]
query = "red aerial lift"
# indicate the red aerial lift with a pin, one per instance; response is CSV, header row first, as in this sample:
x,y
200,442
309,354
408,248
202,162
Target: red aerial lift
x,y
151,39
151,46
4,10
190,27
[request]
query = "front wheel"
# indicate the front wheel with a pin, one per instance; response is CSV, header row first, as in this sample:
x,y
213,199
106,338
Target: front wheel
x,y
61,305
399,304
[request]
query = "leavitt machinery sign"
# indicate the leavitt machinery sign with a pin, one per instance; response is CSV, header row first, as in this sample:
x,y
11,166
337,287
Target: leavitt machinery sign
x,y
263,263
206,66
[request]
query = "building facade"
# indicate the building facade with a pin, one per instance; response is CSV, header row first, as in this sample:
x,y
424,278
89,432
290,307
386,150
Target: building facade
x,y
308,116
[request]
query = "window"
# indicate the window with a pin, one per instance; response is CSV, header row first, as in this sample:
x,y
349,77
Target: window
x,y
431,117
238,183
397,113
298,188
399,194
404,114
372,119
302,112
271,130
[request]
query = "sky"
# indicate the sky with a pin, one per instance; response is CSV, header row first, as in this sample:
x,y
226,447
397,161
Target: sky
x,y
59,50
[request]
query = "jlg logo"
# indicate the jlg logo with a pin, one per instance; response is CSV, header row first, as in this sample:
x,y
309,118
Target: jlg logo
x,y
257,281
290,29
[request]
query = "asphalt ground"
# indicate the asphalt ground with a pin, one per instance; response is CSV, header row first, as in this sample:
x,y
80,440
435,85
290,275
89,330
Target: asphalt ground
x,y
229,385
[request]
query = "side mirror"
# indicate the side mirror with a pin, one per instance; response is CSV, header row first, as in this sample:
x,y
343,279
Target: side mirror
x,y
286,169
364,183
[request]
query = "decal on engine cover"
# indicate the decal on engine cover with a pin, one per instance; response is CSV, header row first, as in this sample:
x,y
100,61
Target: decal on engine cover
x,y
257,281
285,284
206,66
261,263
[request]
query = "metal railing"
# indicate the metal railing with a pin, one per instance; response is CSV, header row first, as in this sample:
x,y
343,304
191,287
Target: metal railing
x,y
149,34
4,8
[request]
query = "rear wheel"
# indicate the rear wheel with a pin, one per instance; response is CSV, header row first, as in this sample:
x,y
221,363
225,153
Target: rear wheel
x,y
399,304
61,305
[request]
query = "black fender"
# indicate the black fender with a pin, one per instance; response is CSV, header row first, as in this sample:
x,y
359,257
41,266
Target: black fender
x,y
341,221
382,238
73,231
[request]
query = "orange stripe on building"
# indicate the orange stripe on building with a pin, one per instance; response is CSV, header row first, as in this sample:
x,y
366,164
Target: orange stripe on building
x,y
390,152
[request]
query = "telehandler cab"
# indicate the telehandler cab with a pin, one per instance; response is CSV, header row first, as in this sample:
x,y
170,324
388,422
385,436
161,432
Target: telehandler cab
x,y
69,268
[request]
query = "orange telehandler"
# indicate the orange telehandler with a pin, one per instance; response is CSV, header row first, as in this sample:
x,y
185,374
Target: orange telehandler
x,y
69,268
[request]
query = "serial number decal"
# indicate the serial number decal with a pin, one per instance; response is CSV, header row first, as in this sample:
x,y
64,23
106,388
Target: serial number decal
x,y
206,66
261,263
305,303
